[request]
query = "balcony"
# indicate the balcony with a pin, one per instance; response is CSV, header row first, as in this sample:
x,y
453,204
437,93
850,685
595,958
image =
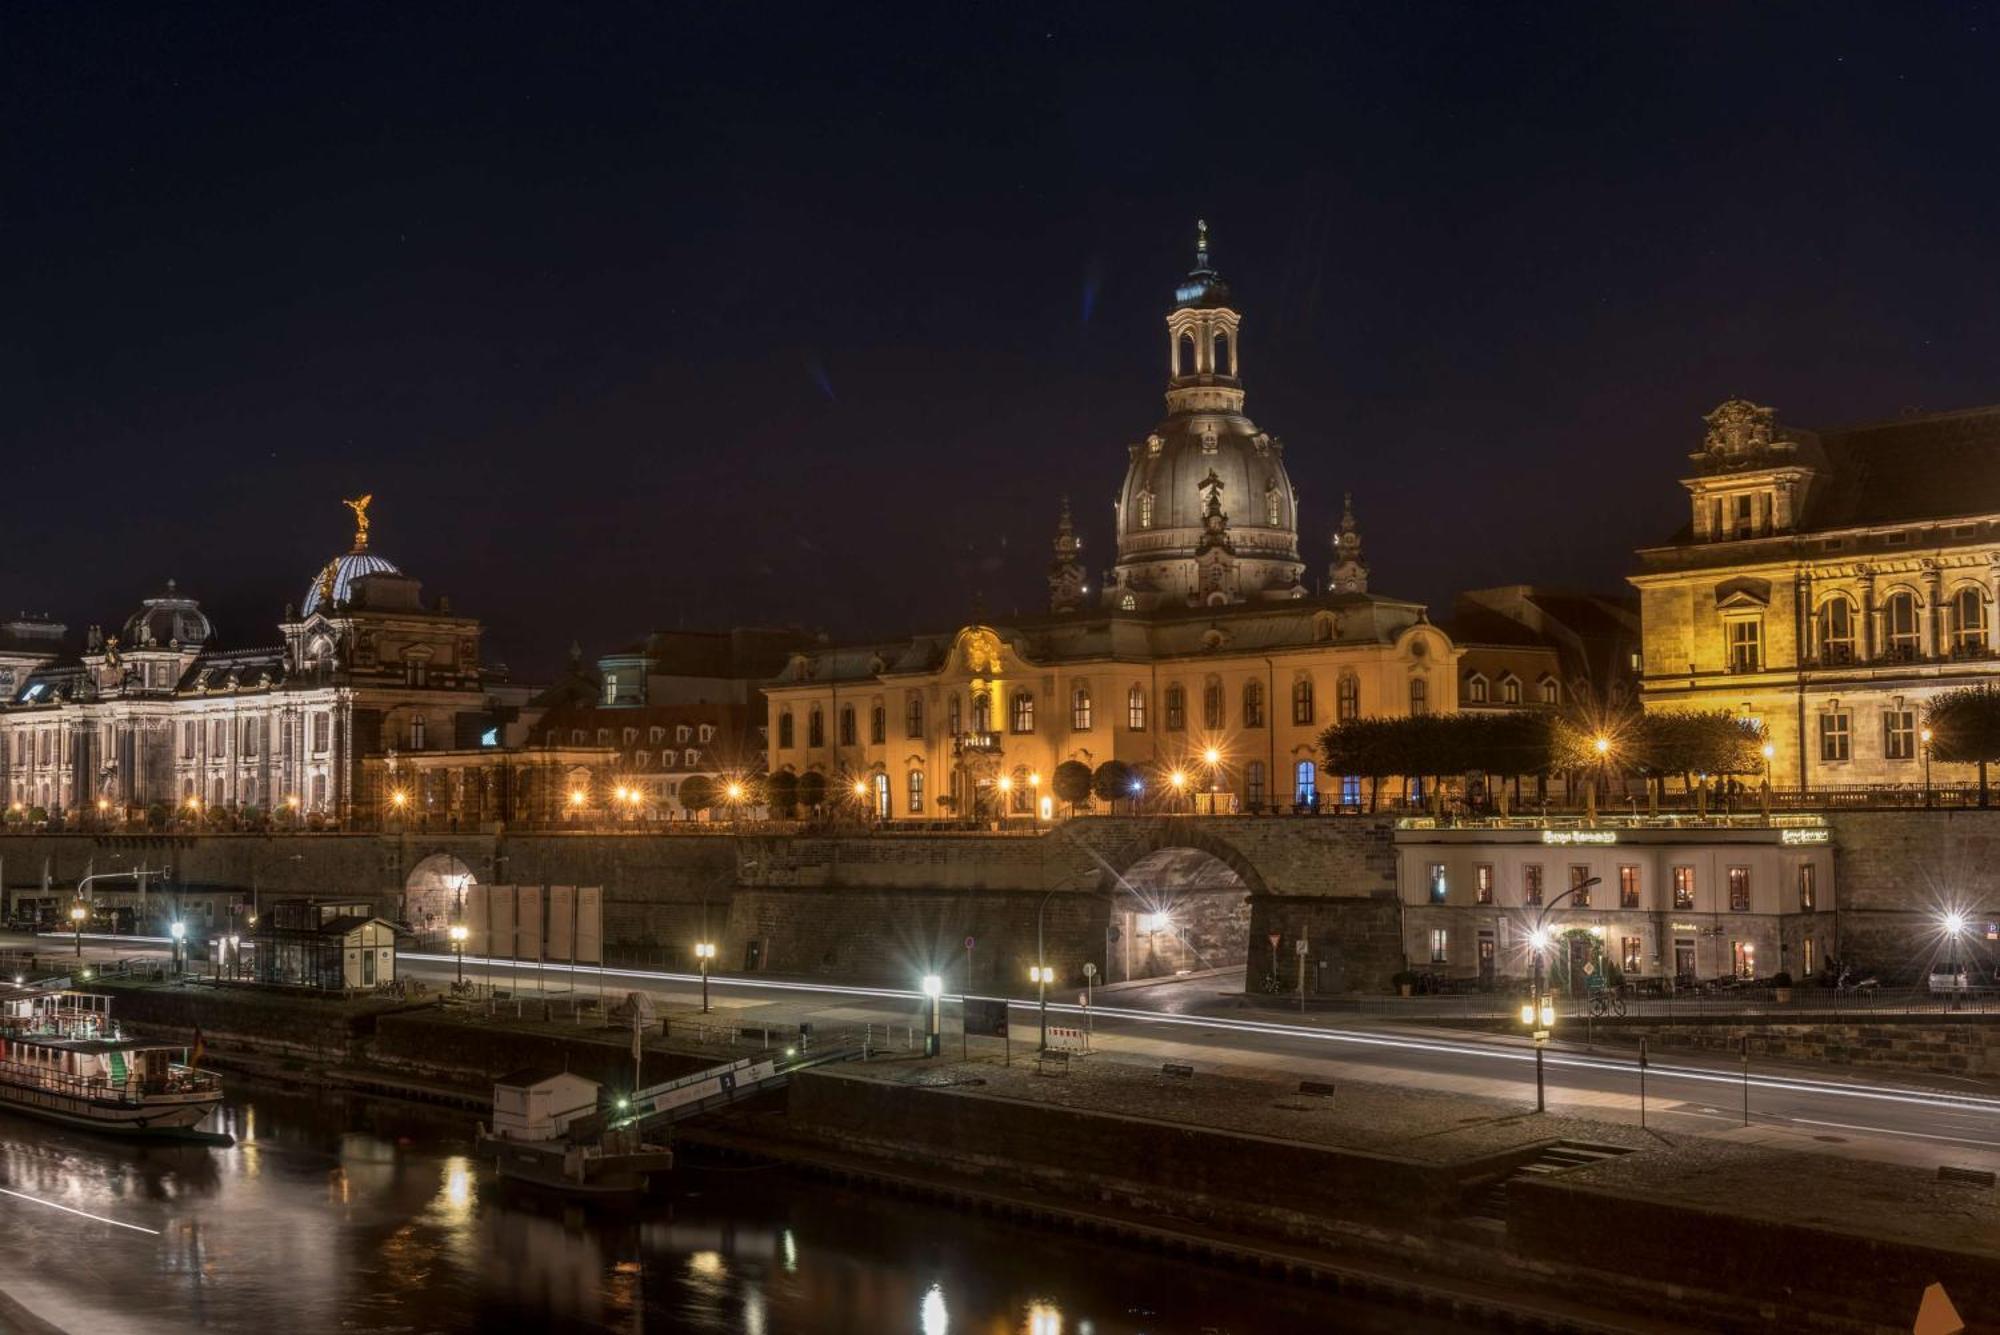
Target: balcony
x,y
975,743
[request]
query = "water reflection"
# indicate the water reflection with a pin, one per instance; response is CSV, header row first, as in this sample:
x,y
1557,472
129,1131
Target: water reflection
x,y
329,1215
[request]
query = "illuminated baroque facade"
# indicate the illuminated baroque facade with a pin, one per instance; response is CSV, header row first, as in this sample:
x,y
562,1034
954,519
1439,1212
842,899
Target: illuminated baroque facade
x,y
157,715
1205,639
1828,584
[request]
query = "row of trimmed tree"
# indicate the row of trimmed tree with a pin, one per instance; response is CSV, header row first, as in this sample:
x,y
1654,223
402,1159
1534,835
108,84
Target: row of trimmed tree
x,y
1656,745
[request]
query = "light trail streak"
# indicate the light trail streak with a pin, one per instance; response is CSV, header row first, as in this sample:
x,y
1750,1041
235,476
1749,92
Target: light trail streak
x,y
70,1209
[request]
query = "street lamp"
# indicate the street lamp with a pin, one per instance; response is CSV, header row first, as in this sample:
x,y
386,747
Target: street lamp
x,y
1042,975
458,935
1541,1006
235,955
704,951
934,989
77,913
1770,753
1926,735
1178,781
178,931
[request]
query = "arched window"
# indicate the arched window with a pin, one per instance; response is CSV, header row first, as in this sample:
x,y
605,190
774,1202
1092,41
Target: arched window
x,y
1222,366
916,800
1023,714
1305,784
982,712
1271,507
1347,699
1475,689
847,725
1176,708
1253,783
1079,708
880,783
1900,635
1135,710
1836,631
1145,515
1968,622
1302,701
815,728
1211,705
954,716
1253,704
1185,364
878,725
1420,696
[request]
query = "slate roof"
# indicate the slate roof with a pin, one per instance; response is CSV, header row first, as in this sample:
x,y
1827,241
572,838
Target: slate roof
x,y
1942,466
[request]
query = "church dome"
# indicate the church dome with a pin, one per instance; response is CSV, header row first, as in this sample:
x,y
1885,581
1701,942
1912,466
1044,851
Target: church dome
x,y
168,620
333,586
1207,513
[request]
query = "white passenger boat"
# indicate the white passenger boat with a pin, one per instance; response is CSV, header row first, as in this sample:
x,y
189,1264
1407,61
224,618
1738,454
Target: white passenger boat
x,y
62,1059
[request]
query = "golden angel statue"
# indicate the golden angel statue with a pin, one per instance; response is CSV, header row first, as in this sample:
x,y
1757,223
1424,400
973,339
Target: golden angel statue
x,y
360,508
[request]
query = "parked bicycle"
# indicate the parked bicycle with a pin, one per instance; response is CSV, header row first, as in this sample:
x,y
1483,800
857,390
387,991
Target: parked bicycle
x,y
1607,1003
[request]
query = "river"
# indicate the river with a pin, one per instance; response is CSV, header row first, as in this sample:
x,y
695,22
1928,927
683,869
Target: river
x,y
352,1216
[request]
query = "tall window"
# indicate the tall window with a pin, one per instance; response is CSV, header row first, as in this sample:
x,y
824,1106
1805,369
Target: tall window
x,y
1145,509
1253,704
1211,705
1420,696
847,725
785,728
1176,708
982,713
913,715
1347,698
1023,718
916,803
1629,953
878,725
187,740
1435,875
1440,945
1899,734
1578,874
322,726
1684,888
418,729
1746,644
880,784
1836,631
1739,889
1271,508
1253,782
1628,887
1531,884
815,728
1135,709
1482,883
954,715
1305,782
1808,889
1833,736
1022,796
1302,701
1079,709
1901,638
1968,623
251,727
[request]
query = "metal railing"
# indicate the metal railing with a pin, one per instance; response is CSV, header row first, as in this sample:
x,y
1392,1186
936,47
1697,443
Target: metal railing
x,y
1720,999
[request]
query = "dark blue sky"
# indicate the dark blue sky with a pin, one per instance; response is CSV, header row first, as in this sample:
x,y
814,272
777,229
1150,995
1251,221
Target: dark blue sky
x,y
647,316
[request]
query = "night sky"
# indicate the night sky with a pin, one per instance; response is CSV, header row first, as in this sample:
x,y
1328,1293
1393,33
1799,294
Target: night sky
x,y
645,317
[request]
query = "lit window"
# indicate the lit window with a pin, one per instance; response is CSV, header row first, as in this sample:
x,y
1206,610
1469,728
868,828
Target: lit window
x,y
1628,887
1630,952
916,803
1079,709
1684,888
1482,883
1434,874
1531,884
1022,717
1145,509
1808,888
1440,945
1135,709
1580,896
1739,889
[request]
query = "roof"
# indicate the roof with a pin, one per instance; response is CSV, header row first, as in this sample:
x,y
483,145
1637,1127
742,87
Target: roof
x,y
746,652
529,1076
1938,466
333,586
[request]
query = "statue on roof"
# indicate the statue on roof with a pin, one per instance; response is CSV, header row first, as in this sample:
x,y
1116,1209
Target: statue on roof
x,y
360,508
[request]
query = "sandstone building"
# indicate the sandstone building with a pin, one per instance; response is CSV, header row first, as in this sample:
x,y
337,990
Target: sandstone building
x,y
1827,584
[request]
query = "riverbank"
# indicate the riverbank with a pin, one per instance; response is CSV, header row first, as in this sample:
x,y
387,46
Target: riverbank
x,y
1443,1194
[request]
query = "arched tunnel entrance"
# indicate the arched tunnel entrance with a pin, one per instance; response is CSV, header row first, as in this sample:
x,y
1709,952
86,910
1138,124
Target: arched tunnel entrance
x,y
1177,910
434,893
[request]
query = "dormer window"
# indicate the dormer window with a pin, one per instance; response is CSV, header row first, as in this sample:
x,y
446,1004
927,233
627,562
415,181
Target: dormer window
x,y
1475,689
705,733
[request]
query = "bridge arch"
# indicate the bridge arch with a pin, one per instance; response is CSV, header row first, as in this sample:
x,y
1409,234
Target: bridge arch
x,y
433,891
1177,900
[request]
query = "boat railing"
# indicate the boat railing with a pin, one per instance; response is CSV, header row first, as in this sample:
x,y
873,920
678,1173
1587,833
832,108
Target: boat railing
x,y
135,1089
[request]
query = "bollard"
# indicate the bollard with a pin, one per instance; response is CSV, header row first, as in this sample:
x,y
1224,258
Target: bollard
x,y
1642,1084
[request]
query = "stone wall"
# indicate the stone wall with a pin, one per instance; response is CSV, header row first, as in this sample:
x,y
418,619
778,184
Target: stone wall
x,y
1918,1045
1895,872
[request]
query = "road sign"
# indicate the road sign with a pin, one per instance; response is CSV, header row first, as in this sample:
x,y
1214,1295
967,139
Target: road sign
x,y
1300,947
968,943
1541,1037
986,1017
1062,1039
1276,937
1090,971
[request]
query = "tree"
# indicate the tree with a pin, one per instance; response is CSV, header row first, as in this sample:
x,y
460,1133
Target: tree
x,y
697,793
812,790
782,791
1072,783
1965,729
1112,782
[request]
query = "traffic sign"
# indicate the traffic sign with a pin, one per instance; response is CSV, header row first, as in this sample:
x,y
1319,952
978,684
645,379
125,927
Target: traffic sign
x,y
1299,947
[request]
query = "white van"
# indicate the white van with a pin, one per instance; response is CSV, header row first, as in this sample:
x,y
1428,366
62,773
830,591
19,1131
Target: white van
x,y
1950,976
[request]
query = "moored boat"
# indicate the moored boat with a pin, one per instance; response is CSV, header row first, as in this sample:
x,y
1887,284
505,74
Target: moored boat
x,y
62,1059
548,1132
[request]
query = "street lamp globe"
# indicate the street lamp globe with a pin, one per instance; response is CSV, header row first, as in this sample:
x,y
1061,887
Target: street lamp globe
x,y
78,913
1953,922
459,933
1211,756
1177,779
933,985
1603,745
734,792
861,788
178,931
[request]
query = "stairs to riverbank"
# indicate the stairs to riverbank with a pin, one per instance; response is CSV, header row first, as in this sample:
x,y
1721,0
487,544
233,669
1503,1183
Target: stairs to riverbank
x,y
1489,1200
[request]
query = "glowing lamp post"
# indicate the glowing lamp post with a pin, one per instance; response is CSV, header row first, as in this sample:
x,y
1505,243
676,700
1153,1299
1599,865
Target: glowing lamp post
x,y
458,936
1034,798
933,1036
1540,1006
77,914
235,955
1926,736
1041,975
178,931
1178,782
704,951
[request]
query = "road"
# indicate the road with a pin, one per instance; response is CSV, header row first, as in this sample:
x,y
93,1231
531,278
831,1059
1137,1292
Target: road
x,y
1203,1021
